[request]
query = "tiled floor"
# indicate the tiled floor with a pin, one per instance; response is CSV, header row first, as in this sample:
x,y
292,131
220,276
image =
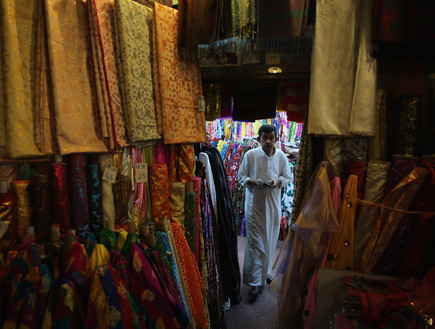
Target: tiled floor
x,y
260,313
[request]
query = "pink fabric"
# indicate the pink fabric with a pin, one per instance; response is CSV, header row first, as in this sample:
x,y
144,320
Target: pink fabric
x,y
140,189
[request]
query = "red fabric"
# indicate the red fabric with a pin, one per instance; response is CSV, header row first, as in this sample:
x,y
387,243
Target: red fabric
x,y
358,168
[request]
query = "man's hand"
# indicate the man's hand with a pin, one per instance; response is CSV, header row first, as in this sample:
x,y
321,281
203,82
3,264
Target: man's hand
x,y
274,183
256,182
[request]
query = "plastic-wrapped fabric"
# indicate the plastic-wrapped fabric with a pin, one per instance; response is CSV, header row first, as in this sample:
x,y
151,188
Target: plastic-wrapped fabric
x,y
60,195
357,168
388,222
159,186
374,191
95,196
23,208
107,193
176,202
78,192
40,197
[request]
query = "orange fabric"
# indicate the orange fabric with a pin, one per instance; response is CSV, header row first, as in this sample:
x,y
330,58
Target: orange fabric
x,y
181,162
192,277
178,83
159,188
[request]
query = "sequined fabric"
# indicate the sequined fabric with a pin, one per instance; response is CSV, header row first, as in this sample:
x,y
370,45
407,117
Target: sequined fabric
x,y
388,222
177,83
374,191
176,202
67,40
409,126
77,185
60,195
133,30
18,39
159,186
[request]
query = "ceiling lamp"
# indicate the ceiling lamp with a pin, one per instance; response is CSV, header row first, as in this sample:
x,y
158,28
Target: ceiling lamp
x,y
274,70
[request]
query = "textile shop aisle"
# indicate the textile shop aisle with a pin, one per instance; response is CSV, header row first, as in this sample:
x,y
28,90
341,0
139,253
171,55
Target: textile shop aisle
x,y
259,314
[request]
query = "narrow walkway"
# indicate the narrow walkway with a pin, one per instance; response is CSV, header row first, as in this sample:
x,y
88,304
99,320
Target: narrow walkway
x,y
260,313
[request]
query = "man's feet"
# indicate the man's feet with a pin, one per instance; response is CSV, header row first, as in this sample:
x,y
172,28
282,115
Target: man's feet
x,y
255,291
269,279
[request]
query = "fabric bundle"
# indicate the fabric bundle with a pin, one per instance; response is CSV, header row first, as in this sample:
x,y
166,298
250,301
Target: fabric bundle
x,y
409,125
18,68
67,40
40,197
181,162
176,202
189,219
389,221
102,11
60,195
359,169
343,72
23,208
77,185
140,196
95,198
133,26
374,191
107,193
400,168
377,145
176,89
159,187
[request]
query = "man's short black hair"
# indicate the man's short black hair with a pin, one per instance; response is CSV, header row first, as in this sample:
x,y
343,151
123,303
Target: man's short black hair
x,y
267,129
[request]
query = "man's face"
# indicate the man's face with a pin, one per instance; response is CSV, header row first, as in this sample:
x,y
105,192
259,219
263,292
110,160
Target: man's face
x,y
267,141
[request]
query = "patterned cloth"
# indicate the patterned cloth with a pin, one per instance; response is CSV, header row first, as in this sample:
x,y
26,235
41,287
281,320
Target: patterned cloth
x,y
159,187
119,263
67,39
133,27
176,89
177,192
102,11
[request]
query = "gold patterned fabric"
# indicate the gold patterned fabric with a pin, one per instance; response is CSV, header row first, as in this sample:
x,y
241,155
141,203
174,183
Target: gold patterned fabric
x,y
177,83
133,28
159,186
181,162
343,72
340,253
23,208
68,51
374,191
104,20
176,202
377,146
409,125
18,40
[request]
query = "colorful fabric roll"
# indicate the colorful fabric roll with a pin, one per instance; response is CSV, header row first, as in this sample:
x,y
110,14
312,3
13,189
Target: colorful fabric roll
x,y
18,37
40,196
67,41
60,195
176,202
400,168
121,197
177,90
388,222
162,153
109,239
100,256
140,197
95,197
181,162
74,259
103,10
409,125
374,191
189,218
377,146
357,168
191,276
134,36
159,187
119,263
340,253
78,193
23,208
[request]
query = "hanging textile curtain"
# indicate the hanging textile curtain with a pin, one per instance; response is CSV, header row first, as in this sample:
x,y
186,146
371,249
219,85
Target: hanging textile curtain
x,y
122,188
3,141
102,11
377,146
198,21
176,90
244,18
333,152
343,73
285,18
374,191
67,39
18,39
133,26
388,222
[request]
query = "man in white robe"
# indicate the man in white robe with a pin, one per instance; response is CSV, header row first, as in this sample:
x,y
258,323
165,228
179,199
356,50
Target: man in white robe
x,y
263,171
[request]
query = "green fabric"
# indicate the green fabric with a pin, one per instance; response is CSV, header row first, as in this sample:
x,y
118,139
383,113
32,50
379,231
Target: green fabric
x,y
109,239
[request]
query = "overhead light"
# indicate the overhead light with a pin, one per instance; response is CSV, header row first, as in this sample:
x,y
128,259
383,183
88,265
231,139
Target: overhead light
x,y
274,70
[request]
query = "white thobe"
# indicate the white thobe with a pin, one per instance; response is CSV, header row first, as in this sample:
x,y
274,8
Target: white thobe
x,y
262,211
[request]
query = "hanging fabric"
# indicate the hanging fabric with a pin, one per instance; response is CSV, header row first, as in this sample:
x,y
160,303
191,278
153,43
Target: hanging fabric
x,y
177,192
377,145
60,193
177,91
67,39
23,209
400,168
343,72
18,66
107,193
159,187
95,198
359,169
133,26
409,125
244,18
